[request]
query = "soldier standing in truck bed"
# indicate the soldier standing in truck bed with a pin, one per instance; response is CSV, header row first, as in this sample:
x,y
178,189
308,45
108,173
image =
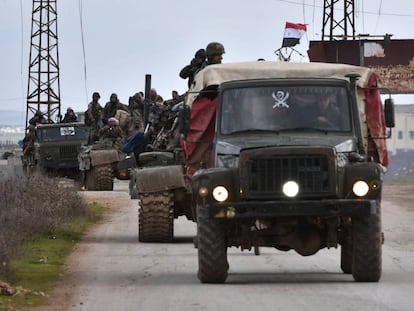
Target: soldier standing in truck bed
x,y
111,107
93,116
136,111
214,53
189,71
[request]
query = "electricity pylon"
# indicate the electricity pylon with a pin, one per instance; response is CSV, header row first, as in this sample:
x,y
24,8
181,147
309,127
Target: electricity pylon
x,y
43,90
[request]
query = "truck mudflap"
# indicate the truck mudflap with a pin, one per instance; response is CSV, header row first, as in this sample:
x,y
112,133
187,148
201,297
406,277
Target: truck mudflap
x,y
268,209
102,157
159,178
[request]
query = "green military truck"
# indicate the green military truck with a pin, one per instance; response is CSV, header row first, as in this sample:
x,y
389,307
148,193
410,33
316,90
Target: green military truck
x,y
54,148
283,155
295,161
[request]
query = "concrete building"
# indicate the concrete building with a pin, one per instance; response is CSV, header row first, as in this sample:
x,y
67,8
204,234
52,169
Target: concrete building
x,y
402,138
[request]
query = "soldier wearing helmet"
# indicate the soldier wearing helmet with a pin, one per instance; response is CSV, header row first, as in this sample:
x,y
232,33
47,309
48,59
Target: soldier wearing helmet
x,y
214,53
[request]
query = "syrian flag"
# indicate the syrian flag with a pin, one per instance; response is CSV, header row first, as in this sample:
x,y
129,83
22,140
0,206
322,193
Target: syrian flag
x,y
293,33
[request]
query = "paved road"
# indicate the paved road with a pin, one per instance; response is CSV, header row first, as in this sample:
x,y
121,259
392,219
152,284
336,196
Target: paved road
x,y
111,270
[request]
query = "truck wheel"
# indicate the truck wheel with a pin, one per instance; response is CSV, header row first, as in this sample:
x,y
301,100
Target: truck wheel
x,y
212,248
156,217
105,178
133,191
91,178
367,250
346,256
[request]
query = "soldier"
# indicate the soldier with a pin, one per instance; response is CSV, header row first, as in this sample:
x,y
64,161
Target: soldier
x,y
136,111
214,53
70,116
37,119
111,131
111,107
93,116
190,70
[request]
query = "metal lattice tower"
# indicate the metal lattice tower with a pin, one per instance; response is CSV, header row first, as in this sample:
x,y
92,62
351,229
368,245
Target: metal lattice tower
x,y
43,90
340,28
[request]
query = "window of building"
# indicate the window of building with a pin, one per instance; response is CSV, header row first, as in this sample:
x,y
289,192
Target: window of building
x,y
411,135
400,134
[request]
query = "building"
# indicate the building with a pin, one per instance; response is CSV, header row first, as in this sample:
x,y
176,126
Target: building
x,y
402,138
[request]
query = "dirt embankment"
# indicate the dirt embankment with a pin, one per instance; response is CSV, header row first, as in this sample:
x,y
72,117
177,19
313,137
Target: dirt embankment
x,y
401,195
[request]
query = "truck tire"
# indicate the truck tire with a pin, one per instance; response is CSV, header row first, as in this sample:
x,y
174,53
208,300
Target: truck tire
x,y
367,248
156,217
105,177
133,191
212,249
91,178
100,178
346,256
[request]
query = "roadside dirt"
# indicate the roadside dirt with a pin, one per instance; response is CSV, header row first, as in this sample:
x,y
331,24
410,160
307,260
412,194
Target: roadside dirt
x,y
401,196
59,295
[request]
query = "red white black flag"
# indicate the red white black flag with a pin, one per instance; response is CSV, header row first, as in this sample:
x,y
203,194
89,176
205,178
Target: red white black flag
x,y
293,33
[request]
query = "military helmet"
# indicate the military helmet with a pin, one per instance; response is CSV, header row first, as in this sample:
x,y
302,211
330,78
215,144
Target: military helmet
x,y
214,48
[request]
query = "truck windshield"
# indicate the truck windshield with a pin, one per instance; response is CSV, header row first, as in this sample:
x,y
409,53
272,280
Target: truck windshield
x,y
285,108
62,133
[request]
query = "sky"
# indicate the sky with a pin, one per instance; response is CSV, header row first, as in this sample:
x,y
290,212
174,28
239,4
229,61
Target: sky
x,y
126,39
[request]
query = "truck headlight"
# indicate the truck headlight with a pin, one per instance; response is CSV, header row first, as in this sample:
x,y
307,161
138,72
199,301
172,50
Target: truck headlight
x,y
360,188
290,189
220,194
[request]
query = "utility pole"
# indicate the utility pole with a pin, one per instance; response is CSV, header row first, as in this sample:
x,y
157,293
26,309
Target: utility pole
x,y
43,90
342,27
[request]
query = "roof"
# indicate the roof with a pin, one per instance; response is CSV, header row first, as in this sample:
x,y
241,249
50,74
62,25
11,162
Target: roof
x,y
217,74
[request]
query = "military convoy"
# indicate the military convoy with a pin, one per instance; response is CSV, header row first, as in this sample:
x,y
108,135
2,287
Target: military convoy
x,y
63,150
262,154
269,162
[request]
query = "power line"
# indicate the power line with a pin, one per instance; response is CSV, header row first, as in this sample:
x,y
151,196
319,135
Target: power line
x,y
83,47
361,11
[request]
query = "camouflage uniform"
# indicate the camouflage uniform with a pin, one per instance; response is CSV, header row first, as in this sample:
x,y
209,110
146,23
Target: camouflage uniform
x,y
190,70
93,116
213,49
111,107
136,111
112,133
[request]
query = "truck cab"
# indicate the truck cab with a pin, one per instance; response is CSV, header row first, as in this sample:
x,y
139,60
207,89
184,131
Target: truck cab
x,y
290,156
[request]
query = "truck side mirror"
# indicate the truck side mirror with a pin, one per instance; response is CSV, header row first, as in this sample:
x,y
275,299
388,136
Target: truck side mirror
x,y
389,112
184,117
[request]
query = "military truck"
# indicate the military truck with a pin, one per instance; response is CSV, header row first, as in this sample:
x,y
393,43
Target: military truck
x,y
282,155
158,181
289,156
54,148
102,162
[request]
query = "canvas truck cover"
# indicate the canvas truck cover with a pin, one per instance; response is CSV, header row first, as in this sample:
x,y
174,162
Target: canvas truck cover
x,y
197,146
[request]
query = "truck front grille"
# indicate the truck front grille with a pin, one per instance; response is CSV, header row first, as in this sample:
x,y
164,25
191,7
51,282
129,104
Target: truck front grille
x,y
69,151
266,176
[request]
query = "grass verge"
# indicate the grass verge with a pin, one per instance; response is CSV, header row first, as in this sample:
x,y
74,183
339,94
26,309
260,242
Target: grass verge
x,y
41,261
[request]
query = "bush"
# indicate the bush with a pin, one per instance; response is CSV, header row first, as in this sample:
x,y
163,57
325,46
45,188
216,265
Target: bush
x,y
32,205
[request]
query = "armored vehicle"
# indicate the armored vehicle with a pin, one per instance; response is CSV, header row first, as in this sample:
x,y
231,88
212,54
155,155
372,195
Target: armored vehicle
x,y
289,156
55,148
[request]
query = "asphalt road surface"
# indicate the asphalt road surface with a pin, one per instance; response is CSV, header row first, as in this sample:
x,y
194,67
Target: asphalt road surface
x,y
111,270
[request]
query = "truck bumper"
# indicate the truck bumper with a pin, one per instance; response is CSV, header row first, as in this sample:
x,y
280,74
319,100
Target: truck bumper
x,y
268,209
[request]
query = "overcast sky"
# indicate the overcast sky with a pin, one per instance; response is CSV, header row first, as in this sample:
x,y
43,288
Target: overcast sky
x,y
127,39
